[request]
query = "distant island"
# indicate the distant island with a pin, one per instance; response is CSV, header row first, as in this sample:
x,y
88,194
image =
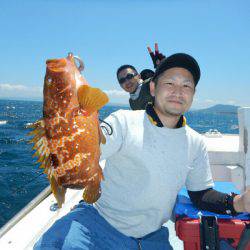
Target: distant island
x,y
220,109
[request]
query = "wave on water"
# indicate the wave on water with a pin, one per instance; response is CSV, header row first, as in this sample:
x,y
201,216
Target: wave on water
x,y
233,127
3,122
8,107
28,124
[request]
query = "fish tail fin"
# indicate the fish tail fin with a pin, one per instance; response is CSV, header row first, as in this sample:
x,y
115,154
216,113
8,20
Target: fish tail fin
x,y
59,192
91,99
92,191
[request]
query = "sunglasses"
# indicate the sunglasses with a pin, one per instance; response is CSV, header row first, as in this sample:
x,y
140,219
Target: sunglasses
x,y
129,76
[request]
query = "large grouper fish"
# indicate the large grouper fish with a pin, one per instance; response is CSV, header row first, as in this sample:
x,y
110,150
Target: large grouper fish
x,y
67,139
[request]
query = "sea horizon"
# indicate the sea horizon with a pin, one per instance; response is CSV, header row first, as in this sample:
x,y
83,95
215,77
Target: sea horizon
x,y
116,104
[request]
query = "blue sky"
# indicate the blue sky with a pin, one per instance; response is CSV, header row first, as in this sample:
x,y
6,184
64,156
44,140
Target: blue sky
x,y
107,34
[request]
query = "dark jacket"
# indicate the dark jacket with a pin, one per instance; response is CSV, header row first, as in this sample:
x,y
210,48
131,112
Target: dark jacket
x,y
144,97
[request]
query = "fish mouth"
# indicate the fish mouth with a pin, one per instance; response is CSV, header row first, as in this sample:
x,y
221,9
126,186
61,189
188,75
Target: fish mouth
x,y
56,65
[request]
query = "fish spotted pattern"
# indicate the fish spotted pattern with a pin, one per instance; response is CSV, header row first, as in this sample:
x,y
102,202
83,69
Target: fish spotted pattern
x,y
67,139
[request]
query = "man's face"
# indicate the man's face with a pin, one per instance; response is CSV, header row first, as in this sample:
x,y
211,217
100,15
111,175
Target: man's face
x,y
130,79
173,92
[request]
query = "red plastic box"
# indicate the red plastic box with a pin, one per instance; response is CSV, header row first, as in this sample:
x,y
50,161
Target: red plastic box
x,y
188,230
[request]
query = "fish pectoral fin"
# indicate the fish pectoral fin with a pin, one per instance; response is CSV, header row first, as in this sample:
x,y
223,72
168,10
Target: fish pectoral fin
x,y
40,142
91,99
59,192
38,124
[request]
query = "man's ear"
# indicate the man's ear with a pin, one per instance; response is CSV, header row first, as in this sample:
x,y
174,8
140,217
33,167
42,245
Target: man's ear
x,y
152,88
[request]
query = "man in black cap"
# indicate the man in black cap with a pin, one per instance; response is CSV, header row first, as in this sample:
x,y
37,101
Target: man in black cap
x,y
150,155
174,81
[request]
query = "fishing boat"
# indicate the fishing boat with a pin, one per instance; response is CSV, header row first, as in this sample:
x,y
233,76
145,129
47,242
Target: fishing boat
x,y
229,158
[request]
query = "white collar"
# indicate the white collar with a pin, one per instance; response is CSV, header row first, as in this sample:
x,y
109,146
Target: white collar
x,y
136,94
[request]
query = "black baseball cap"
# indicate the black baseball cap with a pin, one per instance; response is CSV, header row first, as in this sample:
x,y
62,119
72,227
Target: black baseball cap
x,y
180,60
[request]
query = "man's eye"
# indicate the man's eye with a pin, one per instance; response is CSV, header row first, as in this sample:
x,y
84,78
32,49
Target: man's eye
x,y
169,83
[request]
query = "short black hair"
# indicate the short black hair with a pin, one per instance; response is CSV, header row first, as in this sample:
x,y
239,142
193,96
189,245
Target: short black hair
x,y
146,74
125,66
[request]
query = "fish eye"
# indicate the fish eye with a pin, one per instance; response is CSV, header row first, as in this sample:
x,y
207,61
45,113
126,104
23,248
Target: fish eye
x,y
49,81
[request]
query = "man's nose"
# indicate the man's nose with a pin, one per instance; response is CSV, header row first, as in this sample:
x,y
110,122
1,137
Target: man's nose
x,y
177,90
126,83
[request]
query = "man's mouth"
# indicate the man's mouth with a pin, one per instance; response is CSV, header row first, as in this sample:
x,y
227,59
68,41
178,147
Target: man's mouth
x,y
129,86
176,101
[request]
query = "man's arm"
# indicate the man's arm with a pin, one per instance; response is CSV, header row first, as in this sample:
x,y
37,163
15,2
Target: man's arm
x,y
199,184
221,203
213,201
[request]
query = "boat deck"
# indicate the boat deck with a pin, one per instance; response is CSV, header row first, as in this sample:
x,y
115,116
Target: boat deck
x,y
39,214
37,221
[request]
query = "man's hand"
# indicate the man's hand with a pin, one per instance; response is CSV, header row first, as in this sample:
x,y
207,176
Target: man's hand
x,y
242,202
156,56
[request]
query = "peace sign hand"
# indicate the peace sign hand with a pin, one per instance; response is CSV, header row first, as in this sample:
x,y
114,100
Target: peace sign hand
x,y
156,56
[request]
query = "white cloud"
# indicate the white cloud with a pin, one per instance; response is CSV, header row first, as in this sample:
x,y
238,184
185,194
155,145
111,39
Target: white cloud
x,y
232,102
11,87
117,96
201,104
20,91
116,93
210,101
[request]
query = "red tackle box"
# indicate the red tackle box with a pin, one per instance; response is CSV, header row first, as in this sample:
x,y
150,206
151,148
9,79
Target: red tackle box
x,y
206,230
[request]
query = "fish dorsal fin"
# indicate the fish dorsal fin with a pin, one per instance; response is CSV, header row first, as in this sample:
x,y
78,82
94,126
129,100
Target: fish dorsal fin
x,y
91,99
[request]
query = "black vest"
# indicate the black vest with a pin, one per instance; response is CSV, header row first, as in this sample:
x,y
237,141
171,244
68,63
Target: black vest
x,y
144,97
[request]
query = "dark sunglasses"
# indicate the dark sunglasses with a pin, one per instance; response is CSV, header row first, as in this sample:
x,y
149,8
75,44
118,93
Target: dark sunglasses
x,y
129,76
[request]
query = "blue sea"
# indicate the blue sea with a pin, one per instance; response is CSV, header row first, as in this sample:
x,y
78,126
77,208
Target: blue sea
x,y
21,179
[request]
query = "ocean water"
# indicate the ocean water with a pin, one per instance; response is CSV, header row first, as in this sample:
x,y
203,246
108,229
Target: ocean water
x,y
21,179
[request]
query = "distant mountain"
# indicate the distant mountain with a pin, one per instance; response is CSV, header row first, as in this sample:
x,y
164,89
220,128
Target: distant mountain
x,y
220,108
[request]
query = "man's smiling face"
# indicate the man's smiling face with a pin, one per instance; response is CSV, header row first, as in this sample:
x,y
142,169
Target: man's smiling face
x,y
173,90
128,79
